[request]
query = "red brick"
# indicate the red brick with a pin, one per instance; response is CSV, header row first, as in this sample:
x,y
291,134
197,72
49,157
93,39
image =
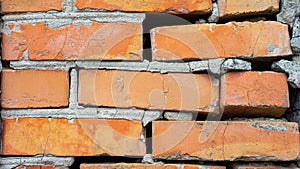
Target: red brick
x,y
34,88
97,41
30,5
237,8
147,166
231,40
169,6
78,137
254,93
216,141
147,90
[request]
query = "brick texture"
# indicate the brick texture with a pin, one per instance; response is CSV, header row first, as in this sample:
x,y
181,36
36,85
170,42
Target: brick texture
x,y
97,41
8,6
170,6
254,93
78,137
236,8
147,166
146,90
205,41
34,88
216,141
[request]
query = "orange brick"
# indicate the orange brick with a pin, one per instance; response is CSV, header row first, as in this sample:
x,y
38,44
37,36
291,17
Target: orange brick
x,y
147,166
147,90
30,5
254,93
78,137
236,8
98,41
231,40
34,88
170,6
216,141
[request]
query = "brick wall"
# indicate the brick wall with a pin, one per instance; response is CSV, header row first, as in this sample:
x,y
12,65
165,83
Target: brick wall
x,y
150,84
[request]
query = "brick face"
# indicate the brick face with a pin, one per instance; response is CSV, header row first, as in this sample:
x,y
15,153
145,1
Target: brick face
x,y
205,41
97,41
170,6
78,137
215,141
34,88
236,8
8,6
147,166
146,90
254,93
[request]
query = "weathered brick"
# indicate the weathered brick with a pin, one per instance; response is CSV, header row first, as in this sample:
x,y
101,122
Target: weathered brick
x,y
147,166
236,8
254,93
222,140
147,90
97,41
30,5
77,137
170,6
34,88
231,40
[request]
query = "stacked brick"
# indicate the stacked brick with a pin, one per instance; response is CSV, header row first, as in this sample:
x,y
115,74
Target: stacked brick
x,y
77,82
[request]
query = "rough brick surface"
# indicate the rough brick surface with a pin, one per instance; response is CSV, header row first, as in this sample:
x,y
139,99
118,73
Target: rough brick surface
x,y
147,90
97,41
77,137
262,141
34,88
170,6
147,166
237,8
254,93
30,5
202,41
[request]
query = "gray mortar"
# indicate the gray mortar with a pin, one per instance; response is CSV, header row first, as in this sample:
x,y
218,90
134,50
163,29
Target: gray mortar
x,y
67,5
73,89
42,65
288,11
292,68
214,17
261,119
84,113
270,126
295,41
215,66
297,59
166,67
109,65
58,19
199,66
236,64
12,162
180,116
148,159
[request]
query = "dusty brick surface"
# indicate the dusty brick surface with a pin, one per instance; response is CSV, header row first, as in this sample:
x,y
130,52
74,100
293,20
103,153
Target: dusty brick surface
x,y
34,88
77,137
254,93
236,8
262,141
231,40
8,6
147,166
97,41
170,6
146,90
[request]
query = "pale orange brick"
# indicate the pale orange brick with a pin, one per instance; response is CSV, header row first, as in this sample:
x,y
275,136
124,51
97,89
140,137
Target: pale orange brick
x,y
254,93
169,6
147,90
34,88
217,141
147,166
30,5
77,137
97,41
237,8
231,40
